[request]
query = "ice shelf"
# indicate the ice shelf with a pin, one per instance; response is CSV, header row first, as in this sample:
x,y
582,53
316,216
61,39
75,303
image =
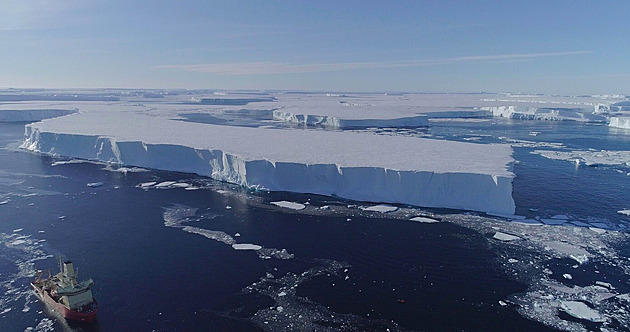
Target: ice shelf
x,y
29,115
353,165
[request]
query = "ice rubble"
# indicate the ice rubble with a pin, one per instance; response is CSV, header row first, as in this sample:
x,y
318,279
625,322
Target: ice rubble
x,y
620,122
589,157
360,166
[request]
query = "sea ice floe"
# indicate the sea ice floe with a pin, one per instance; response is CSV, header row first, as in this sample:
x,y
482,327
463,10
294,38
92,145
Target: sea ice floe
x,y
553,221
165,184
624,212
18,230
505,237
246,246
580,310
424,219
177,215
588,157
67,162
4,202
94,184
379,208
147,184
289,205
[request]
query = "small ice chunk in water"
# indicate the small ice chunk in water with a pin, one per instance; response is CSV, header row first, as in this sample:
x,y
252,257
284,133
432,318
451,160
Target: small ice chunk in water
x,y
17,230
4,202
94,184
227,207
560,216
383,208
237,234
246,246
290,205
567,276
147,184
505,237
502,303
512,260
625,212
165,184
424,219
580,310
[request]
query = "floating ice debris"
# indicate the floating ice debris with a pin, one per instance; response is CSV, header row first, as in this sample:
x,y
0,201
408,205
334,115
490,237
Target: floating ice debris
x,y
165,184
62,217
18,242
506,216
325,207
625,212
289,205
192,188
505,237
18,230
5,311
553,221
597,230
590,158
348,219
94,184
379,208
282,294
580,310
560,216
246,246
424,219
227,207
567,276
572,251
4,202
223,192
512,260
66,162
533,209
237,234
147,184
579,223
534,133
181,185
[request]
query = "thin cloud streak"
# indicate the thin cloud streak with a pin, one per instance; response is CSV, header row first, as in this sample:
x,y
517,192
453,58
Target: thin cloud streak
x,y
271,68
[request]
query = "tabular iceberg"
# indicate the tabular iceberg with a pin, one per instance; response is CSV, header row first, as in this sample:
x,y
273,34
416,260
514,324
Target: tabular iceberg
x,y
359,166
620,122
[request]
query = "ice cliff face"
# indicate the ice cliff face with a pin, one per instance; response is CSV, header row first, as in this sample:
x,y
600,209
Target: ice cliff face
x,y
337,122
32,115
424,186
620,122
549,114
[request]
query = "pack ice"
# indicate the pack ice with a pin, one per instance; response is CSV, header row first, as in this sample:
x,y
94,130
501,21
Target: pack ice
x,y
353,165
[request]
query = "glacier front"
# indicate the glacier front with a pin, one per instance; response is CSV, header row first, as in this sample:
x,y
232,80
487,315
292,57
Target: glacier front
x,y
353,165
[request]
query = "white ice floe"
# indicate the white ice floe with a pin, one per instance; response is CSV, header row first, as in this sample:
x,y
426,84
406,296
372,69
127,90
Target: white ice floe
x,y
567,276
624,212
6,201
589,158
246,246
18,230
424,219
580,310
354,165
290,205
68,162
505,237
165,184
147,184
94,184
379,208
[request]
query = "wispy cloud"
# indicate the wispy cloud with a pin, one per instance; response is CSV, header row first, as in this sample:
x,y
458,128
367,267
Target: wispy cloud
x,y
270,68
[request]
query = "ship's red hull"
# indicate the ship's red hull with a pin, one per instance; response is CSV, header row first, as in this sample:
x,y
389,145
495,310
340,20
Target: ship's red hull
x,y
87,317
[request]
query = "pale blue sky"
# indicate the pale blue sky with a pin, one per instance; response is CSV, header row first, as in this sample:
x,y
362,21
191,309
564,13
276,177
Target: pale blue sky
x,y
570,47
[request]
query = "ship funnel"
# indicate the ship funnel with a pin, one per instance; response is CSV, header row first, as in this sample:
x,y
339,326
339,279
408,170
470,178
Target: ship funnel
x,y
68,269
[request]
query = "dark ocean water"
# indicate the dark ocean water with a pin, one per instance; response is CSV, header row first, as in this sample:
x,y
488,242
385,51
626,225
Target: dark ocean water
x,y
162,259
